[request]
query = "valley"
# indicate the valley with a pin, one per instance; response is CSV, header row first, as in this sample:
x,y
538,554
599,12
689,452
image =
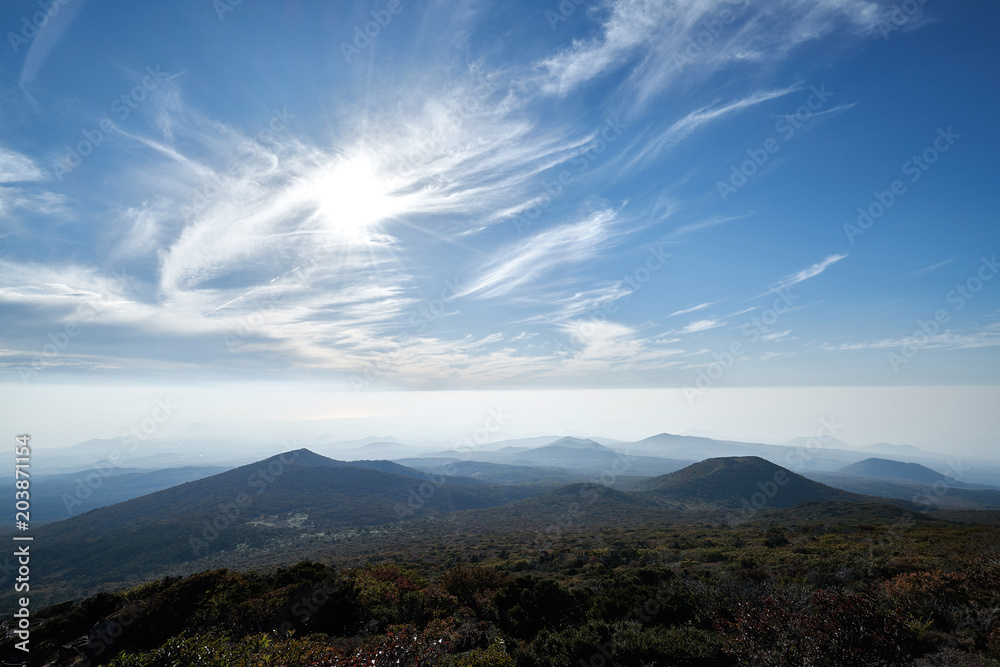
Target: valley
x,y
568,511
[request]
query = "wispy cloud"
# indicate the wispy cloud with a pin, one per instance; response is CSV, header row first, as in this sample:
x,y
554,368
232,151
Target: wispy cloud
x,y
654,41
925,270
47,39
988,336
700,306
303,241
803,275
561,307
15,167
696,120
320,246
526,262
601,346
701,325
775,336
22,188
708,223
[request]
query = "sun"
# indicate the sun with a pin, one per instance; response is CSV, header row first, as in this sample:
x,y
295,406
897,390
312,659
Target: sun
x,y
351,198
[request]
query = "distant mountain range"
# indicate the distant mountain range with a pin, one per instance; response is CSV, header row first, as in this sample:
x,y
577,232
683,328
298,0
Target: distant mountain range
x,y
297,492
573,454
302,495
532,460
923,487
497,473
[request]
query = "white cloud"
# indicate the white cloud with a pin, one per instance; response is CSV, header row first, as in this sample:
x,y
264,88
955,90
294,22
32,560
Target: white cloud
x,y
701,325
988,336
560,307
708,223
28,196
692,309
694,121
16,168
291,251
775,336
299,250
601,346
804,274
660,41
925,270
526,262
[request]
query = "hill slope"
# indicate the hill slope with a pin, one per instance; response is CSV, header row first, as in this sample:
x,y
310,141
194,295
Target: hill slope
x,y
280,498
55,497
740,481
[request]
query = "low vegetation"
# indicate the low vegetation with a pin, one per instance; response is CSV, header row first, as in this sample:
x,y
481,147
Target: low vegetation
x,y
804,586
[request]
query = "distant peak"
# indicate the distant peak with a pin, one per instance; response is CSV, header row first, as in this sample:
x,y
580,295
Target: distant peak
x,y
698,433
576,443
737,461
302,456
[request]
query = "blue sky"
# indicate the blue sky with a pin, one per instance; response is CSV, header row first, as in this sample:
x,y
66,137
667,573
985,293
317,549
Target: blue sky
x,y
630,194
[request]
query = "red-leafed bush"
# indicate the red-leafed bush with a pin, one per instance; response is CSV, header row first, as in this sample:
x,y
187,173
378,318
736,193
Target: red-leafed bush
x,y
831,629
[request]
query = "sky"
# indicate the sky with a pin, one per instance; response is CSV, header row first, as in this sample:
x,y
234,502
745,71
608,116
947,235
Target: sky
x,y
392,203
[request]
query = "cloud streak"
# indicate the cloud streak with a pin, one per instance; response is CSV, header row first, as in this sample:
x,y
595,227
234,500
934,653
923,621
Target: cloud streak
x,y
988,336
803,275
526,262
692,309
654,44
698,119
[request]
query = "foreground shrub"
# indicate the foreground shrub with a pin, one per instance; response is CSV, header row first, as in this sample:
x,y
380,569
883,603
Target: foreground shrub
x,y
832,629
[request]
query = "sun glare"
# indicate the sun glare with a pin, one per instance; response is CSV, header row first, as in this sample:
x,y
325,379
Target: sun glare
x,y
350,196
